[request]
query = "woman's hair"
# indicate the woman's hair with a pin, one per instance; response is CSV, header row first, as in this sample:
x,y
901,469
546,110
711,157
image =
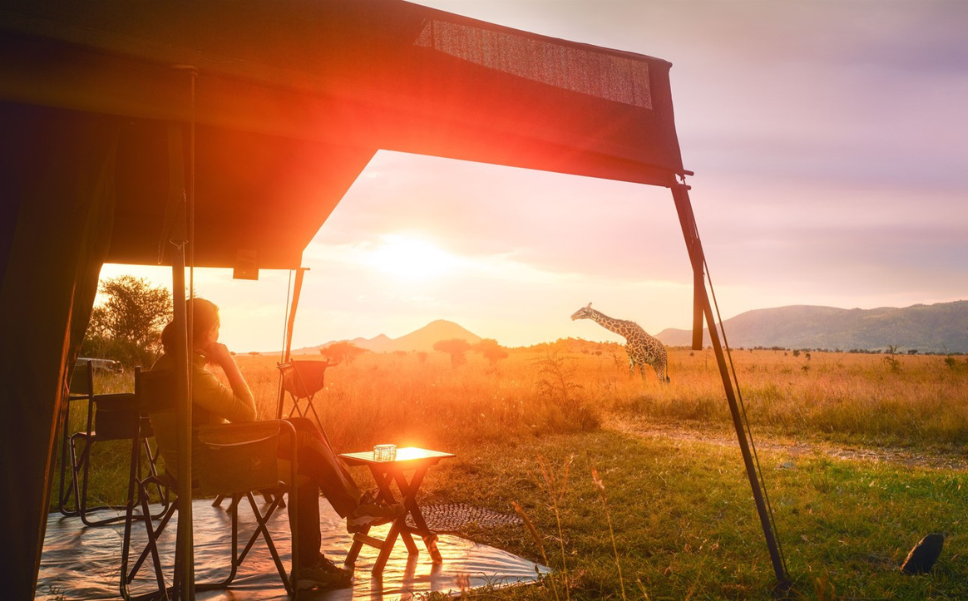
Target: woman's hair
x,y
205,318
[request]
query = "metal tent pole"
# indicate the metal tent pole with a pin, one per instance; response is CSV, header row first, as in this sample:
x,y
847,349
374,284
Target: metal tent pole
x,y
687,220
296,292
178,237
290,324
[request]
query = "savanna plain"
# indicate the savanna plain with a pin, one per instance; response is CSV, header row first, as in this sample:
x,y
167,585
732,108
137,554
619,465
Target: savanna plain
x,y
631,489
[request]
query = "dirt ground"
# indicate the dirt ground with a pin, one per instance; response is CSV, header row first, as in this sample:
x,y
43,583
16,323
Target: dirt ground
x,y
935,459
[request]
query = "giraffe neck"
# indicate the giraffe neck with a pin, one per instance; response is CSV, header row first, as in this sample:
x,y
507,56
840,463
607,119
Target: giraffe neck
x,y
609,323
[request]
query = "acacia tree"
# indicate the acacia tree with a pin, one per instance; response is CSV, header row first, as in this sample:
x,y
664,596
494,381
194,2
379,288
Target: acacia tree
x,y
456,348
491,350
127,325
343,351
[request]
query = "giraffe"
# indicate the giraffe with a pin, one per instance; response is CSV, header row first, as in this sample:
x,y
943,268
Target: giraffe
x,y
640,347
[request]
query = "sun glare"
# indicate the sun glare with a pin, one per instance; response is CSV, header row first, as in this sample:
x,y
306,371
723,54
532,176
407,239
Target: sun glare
x,y
409,258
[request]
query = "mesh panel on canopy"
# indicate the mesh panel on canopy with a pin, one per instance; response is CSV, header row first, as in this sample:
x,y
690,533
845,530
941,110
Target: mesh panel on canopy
x,y
592,72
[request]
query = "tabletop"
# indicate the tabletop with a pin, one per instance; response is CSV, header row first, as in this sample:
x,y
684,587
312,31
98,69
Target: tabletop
x,y
404,454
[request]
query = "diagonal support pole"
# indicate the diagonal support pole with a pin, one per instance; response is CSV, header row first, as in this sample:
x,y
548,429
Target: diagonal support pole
x,y
691,233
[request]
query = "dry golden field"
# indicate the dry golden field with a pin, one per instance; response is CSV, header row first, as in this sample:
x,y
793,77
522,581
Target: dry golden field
x,y
572,385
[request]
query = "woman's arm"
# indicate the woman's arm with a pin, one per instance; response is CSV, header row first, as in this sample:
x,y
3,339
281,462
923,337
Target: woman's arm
x,y
235,405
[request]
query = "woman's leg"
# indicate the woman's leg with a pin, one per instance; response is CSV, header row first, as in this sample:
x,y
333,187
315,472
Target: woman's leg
x,y
319,461
309,537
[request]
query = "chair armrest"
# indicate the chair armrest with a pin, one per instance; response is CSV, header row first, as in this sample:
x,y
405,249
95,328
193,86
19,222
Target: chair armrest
x,y
238,434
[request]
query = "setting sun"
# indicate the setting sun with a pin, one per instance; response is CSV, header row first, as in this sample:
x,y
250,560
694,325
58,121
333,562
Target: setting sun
x,y
410,258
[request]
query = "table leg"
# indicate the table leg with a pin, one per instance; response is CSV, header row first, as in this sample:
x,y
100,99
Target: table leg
x,y
399,529
383,481
354,552
384,476
410,500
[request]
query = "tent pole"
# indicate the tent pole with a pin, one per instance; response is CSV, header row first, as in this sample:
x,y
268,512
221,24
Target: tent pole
x,y
178,237
698,302
296,291
691,233
290,324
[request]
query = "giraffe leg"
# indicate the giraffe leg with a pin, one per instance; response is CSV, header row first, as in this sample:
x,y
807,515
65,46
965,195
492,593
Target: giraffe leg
x,y
631,366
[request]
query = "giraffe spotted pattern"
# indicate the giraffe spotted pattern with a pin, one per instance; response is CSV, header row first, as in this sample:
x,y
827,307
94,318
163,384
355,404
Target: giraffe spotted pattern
x,y
641,348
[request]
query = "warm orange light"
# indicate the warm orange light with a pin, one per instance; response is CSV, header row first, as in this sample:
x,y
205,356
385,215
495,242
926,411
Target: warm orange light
x,y
413,259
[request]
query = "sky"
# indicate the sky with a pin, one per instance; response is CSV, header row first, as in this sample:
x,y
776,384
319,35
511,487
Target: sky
x,y
829,141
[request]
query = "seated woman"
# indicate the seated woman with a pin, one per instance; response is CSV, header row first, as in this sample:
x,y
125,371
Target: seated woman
x,y
319,465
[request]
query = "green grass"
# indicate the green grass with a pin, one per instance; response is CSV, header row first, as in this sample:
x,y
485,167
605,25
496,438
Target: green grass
x,y
685,524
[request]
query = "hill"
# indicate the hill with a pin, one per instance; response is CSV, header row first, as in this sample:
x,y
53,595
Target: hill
x,y
937,328
418,340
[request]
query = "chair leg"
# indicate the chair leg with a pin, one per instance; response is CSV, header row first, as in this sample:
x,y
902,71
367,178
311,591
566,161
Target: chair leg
x,y
151,547
160,489
263,529
86,460
153,535
77,465
64,495
311,407
235,559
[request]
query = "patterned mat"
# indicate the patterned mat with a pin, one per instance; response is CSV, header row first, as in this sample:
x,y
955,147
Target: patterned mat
x,y
454,517
82,563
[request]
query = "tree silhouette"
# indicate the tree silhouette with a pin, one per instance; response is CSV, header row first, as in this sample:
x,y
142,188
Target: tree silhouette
x,y
340,352
491,350
127,326
456,348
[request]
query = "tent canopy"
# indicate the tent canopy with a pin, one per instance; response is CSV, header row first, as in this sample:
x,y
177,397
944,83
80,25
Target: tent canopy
x,y
289,100
294,97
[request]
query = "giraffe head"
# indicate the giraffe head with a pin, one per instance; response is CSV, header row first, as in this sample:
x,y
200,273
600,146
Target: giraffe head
x,y
583,313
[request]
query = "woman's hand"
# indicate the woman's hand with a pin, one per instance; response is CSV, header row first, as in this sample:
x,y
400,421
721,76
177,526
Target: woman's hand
x,y
217,353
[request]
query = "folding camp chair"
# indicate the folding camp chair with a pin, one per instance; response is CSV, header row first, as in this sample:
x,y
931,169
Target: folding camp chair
x,y
301,380
115,417
228,459
110,417
81,388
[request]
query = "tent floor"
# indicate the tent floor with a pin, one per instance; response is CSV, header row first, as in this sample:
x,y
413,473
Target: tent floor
x,y
84,563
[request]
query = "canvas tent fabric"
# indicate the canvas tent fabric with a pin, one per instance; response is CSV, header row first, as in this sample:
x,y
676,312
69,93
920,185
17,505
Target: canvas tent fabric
x,y
291,99
61,173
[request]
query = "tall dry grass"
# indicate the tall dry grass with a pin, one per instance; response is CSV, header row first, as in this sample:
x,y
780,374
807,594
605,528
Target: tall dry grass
x,y
419,399
569,386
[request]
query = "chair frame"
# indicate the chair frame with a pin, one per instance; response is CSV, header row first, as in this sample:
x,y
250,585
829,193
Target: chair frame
x,y
80,388
154,393
78,464
301,380
81,463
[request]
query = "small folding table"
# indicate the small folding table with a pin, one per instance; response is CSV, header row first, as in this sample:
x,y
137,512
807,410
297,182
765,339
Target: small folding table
x,y
408,459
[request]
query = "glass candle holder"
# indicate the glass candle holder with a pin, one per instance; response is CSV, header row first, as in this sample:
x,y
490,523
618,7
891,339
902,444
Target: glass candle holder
x,y
385,452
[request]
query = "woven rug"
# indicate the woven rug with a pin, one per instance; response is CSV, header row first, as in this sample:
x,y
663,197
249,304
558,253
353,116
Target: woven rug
x,y
83,563
454,517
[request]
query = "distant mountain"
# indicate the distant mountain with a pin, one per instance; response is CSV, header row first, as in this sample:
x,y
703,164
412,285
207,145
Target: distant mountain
x,y
419,340
941,327
425,338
